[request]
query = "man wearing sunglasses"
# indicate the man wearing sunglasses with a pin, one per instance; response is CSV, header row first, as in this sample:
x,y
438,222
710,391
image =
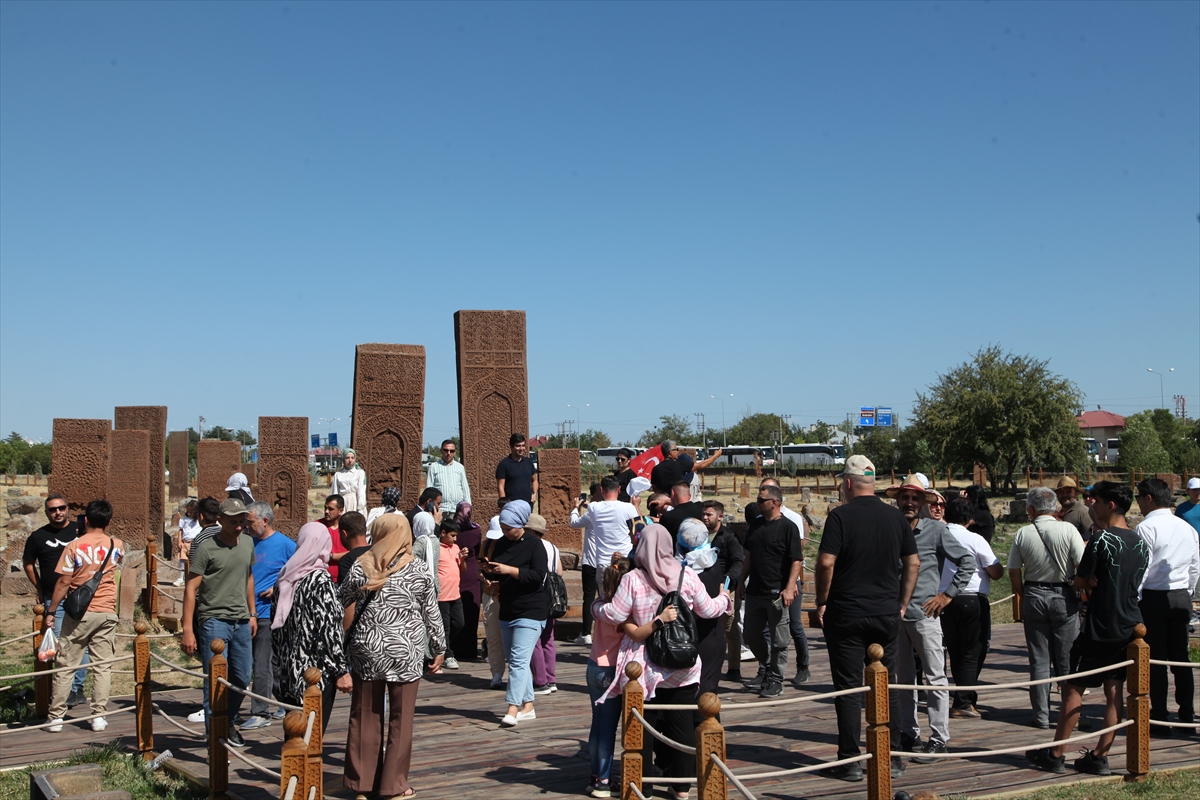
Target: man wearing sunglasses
x,y
450,478
43,551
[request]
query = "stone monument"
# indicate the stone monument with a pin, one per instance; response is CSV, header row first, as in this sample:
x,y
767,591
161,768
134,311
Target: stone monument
x,y
389,412
129,485
283,470
493,394
179,464
152,419
215,462
79,454
558,488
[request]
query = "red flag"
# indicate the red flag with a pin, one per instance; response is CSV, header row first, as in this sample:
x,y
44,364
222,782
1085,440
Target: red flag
x,y
645,463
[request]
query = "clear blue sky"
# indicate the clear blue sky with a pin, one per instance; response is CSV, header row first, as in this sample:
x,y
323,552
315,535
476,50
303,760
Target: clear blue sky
x,y
810,206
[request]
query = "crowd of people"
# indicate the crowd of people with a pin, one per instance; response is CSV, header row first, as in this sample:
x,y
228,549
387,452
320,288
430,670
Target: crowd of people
x,y
378,598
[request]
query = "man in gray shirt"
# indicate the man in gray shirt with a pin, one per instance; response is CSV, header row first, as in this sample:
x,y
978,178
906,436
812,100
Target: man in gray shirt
x,y
920,629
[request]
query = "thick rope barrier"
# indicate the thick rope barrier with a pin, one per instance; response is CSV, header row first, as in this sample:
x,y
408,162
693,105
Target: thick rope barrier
x,y
150,635
181,726
669,742
233,752
737,784
248,693
290,794
1188,664
779,773
165,593
1083,737
178,668
65,721
636,791
29,635
787,701
1002,600
312,792
949,687
312,718
92,665
1195,726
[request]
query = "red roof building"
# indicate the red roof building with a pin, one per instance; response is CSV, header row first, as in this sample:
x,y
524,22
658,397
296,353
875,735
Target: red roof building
x,y
1102,426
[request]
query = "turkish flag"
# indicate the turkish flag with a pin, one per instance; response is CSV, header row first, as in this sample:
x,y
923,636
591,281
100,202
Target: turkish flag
x,y
646,462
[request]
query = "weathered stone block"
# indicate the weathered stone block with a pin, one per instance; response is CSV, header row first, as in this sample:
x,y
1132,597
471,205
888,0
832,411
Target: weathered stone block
x,y
283,470
558,487
128,482
80,456
49,784
153,420
24,504
493,393
215,462
389,413
179,465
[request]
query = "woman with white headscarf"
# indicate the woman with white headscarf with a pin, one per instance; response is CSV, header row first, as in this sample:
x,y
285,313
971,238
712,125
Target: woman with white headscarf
x,y
350,482
239,486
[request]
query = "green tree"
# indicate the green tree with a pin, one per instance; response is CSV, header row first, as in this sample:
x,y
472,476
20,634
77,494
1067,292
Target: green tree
x,y
880,447
588,440
1003,411
1141,447
673,427
761,429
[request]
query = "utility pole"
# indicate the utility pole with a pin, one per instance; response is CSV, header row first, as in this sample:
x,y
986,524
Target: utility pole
x,y
779,452
703,431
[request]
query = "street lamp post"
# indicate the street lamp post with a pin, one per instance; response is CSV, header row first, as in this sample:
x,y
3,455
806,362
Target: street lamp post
x,y
724,443
329,455
1162,402
585,405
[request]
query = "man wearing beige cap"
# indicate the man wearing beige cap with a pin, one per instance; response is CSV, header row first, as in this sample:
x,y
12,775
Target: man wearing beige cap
x,y
1074,511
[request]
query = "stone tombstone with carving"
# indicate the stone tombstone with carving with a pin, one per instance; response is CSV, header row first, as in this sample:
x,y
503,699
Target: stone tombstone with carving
x,y
179,464
283,470
493,394
558,488
129,487
215,462
153,420
389,414
79,454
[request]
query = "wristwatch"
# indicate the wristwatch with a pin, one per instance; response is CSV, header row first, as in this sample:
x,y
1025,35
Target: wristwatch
x,y
658,623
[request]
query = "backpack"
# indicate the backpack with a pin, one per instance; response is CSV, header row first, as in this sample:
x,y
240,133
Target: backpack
x,y
556,591
673,645
77,602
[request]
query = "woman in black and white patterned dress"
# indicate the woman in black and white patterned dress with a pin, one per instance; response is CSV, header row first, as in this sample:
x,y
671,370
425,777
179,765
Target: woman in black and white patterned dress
x,y
395,609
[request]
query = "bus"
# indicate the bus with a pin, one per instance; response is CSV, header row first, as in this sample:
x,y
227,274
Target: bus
x,y
1093,449
1114,449
811,455
743,455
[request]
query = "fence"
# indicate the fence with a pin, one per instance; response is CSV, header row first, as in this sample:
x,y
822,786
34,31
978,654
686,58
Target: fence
x,y
300,774
714,776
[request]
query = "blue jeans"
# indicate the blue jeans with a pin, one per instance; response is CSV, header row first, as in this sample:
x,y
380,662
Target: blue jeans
x,y
604,719
81,673
239,653
520,636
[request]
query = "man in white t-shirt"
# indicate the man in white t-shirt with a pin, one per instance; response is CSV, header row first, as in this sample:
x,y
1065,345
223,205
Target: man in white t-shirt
x,y
605,525
795,612
963,620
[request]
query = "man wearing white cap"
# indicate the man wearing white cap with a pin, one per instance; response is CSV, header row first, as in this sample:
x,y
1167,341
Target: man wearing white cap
x,y
1189,510
491,604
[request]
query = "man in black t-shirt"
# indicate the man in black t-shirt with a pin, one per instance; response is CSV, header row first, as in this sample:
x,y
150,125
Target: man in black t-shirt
x,y
1111,570
773,559
516,476
866,572
669,471
682,508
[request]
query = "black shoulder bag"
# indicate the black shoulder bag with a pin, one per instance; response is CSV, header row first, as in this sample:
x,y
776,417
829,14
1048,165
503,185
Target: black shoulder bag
x,y
673,644
556,591
77,602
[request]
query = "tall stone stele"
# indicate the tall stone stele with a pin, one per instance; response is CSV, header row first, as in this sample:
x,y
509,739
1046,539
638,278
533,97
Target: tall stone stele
x,y
283,470
153,420
79,455
389,413
215,462
179,447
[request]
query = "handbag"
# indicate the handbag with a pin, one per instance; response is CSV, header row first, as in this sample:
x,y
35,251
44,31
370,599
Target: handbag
x,y
673,644
77,602
556,590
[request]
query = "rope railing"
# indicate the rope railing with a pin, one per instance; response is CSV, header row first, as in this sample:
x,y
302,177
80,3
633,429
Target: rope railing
x,y
233,751
290,792
636,791
39,673
1001,600
808,698
308,728
949,687
646,726
248,693
1195,726
779,773
107,713
1083,737
1187,664
312,792
20,638
150,635
732,778
181,726
178,668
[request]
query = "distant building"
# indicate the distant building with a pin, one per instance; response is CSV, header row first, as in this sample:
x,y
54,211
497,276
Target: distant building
x,y
1105,427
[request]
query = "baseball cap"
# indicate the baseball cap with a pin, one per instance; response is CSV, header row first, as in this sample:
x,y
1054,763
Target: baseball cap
x,y
1193,483
493,531
859,465
233,507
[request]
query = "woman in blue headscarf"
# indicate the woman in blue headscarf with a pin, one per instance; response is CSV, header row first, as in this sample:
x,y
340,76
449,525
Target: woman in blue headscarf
x,y
519,565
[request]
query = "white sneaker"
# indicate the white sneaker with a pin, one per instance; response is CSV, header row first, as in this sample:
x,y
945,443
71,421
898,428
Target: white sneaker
x,y
57,726
584,639
99,724
450,663
509,721
524,715
180,582
747,655
196,717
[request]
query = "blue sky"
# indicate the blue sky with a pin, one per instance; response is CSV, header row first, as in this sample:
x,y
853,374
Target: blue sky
x,y
810,206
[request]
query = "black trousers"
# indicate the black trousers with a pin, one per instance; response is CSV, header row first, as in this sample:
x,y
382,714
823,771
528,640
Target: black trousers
x,y
452,617
465,646
712,653
960,634
847,640
677,725
589,596
1166,616
985,629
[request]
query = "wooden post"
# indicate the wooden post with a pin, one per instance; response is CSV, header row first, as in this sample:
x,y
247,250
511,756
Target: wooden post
x,y
218,721
1137,735
295,755
710,740
893,483
151,604
745,487
879,742
1040,478
42,685
1016,607
141,692
631,733
819,483
314,769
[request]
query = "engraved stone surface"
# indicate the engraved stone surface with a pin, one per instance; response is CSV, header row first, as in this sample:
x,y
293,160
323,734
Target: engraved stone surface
x,y
558,486
283,470
179,464
389,413
79,454
215,462
152,419
129,486
493,394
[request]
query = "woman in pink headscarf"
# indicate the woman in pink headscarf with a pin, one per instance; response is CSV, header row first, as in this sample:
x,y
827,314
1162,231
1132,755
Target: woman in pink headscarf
x,y
636,604
308,616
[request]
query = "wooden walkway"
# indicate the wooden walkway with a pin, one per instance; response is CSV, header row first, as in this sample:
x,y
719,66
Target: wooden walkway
x,y
461,752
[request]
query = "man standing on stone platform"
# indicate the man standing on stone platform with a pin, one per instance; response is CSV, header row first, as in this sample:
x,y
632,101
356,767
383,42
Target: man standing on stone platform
x,y
351,483
1074,510
271,552
450,478
866,572
516,476
1048,551
920,629
1167,595
42,554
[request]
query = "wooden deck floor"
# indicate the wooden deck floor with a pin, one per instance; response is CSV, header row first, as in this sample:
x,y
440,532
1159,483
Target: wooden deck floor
x,y
461,752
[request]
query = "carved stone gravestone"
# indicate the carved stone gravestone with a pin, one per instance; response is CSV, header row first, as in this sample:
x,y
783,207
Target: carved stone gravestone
x,y
152,419
558,487
493,394
79,454
389,412
179,464
129,487
283,470
215,462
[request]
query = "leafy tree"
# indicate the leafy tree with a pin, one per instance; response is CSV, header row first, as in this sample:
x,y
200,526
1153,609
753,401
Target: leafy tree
x,y
245,438
23,456
880,447
761,429
1141,447
588,440
435,450
1003,411
673,427
217,432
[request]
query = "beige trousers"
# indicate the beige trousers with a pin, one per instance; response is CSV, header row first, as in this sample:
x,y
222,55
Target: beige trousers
x,y
97,633
491,626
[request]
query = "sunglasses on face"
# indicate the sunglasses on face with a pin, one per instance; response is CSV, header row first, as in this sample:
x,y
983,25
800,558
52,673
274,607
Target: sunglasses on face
x,y
55,509
937,505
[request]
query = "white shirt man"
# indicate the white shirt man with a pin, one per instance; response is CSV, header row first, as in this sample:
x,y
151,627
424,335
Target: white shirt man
x,y
450,478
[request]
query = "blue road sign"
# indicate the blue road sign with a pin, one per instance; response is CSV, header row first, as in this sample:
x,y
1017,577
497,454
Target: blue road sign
x,y
316,441
866,417
883,417
333,440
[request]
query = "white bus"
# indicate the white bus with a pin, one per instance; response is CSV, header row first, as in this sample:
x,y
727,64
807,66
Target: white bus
x,y
811,455
743,455
608,455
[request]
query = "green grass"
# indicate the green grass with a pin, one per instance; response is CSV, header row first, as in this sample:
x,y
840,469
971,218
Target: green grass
x,y
122,771
1159,786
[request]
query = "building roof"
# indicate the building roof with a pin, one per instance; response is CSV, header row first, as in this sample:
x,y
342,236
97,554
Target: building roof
x,y
1100,419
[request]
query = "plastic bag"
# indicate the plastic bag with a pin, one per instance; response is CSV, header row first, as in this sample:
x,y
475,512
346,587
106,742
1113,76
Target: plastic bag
x,y
48,649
